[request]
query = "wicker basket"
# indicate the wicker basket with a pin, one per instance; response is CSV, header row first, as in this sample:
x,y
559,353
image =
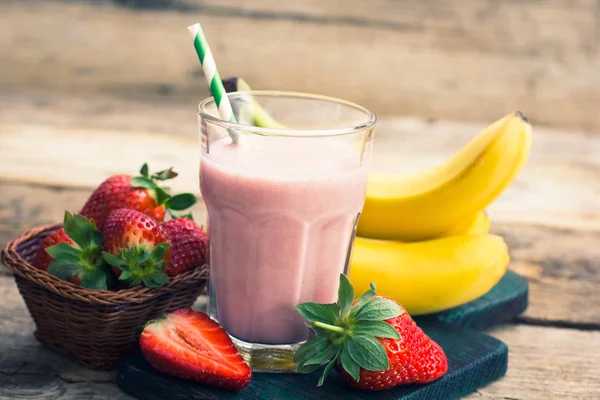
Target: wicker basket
x,y
93,326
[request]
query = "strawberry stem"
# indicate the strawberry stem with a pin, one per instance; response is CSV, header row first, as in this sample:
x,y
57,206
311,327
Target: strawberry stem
x,y
328,327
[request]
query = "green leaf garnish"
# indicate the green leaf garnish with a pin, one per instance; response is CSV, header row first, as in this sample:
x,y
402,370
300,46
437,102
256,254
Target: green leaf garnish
x,y
349,364
82,259
347,333
95,279
165,175
144,171
310,347
142,182
377,328
181,201
161,194
327,369
345,295
368,352
63,250
315,312
364,299
379,309
140,265
63,269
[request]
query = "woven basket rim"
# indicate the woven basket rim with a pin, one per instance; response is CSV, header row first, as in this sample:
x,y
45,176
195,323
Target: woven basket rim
x,y
140,294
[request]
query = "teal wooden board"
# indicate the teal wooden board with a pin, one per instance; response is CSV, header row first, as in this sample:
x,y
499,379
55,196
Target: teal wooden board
x,y
504,302
474,360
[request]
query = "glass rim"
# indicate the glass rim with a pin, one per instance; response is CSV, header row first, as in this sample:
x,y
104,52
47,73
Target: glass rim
x,y
369,122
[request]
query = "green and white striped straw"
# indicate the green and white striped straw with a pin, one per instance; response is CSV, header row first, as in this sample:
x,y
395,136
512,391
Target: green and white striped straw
x,y
212,76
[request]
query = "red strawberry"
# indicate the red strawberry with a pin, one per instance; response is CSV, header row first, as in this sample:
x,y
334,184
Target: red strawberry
x,y
137,248
42,258
189,345
189,245
139,193
372,341
74,253
415,358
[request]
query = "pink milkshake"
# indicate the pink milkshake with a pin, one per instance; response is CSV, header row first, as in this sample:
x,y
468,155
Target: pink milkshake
x,y
282,208
281,214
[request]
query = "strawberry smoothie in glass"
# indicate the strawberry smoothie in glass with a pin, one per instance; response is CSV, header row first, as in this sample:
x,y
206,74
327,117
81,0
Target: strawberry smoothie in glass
x,y
282,211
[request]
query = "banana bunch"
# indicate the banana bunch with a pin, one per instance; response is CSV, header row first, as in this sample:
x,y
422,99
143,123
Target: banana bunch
x,y
424,238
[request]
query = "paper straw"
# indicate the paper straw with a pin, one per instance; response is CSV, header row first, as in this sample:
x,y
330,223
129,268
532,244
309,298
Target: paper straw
x,y
213,78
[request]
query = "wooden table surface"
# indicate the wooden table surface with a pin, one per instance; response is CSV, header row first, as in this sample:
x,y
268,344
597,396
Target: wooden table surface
x,y
51,159
83,95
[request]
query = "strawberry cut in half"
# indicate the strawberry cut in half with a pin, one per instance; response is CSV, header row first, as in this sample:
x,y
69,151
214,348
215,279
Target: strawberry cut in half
x,y
189,345
372,341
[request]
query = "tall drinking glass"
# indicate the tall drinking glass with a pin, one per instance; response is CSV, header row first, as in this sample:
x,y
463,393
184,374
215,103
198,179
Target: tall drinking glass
x,y
282,204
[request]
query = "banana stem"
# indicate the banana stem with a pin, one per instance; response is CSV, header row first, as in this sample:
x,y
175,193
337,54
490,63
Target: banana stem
x,y
328,327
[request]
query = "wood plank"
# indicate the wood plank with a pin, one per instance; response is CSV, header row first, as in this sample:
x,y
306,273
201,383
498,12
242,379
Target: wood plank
x,y
547,363
544,363
562,265
542,57
558,187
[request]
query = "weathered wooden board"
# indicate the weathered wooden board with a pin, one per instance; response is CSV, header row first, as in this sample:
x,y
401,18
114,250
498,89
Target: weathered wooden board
x,y
544,363
460,59
474,360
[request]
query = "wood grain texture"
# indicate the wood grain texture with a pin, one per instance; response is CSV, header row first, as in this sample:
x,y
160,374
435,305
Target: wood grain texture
x,y
455,59
547,363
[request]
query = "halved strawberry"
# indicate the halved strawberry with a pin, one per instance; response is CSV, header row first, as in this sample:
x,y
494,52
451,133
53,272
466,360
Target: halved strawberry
x,y
140,193
189,345
136,247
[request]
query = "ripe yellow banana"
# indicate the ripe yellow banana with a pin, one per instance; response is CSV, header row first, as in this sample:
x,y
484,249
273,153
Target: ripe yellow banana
x,y
428,204
474,225
430,276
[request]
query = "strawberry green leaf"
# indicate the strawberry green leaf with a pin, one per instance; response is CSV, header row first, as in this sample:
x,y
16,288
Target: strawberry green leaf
x,y
349,364
165,175
323,356
144,171
363,299
310,348
80,229
63,269
327,370
161,195
64,250
155,280
142,182
125,275
379,309
345,295
160,251
94,279
113,260
368,353
326,313
378,329
181,201
307,369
